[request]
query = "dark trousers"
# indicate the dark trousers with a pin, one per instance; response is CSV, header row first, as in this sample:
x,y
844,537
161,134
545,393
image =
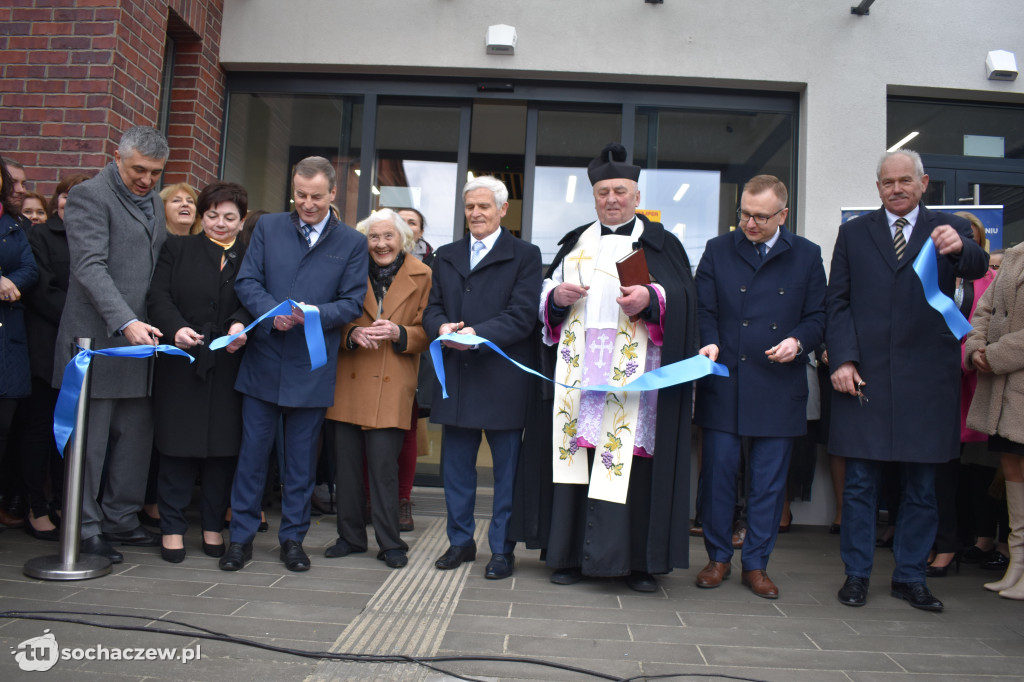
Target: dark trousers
x,y
174,491
915,526
40,458
988,515
382,448
768,465
947,477
259,425
459,450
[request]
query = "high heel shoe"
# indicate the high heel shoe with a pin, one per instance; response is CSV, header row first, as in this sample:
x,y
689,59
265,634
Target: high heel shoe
x,y
264,526
215,551
174,556
52,535
997,562
784,528
934,571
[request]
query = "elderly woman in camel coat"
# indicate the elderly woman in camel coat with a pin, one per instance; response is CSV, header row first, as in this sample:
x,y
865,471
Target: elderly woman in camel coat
x,y
995,347
376,384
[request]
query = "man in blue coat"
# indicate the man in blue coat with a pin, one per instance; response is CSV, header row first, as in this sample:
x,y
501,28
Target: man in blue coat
x,y
312,258
886,342
760,305
487,284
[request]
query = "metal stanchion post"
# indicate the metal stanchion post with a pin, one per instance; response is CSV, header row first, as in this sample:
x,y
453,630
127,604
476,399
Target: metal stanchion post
x,y
69,565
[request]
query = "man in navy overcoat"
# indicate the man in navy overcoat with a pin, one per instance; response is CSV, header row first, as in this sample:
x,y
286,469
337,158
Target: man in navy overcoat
x,y
896,372
761,305
488,284
312,258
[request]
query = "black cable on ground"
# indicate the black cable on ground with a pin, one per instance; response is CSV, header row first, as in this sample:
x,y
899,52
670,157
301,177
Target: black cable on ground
x,y
425,661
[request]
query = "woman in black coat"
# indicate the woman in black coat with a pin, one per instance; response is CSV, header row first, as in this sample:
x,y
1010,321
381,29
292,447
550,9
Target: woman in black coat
x,y
197,413
44,305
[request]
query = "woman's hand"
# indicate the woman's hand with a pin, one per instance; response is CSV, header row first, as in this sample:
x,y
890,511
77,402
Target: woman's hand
x,y
361,337
186,337
980,362
240,341
384,330
8,291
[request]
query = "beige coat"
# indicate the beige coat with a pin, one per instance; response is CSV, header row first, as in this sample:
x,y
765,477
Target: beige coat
x,y
375,388
998,322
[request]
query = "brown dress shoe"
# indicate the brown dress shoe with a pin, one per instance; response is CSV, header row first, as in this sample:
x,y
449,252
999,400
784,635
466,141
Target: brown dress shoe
x,y
760,584
11,520
713,574
405,522
738,537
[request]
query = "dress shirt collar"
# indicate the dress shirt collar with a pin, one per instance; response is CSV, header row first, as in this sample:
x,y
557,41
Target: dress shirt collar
x,y
488,243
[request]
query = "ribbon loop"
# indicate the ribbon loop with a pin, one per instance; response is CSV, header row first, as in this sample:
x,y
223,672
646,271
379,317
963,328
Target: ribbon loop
x,y
927,269
314,331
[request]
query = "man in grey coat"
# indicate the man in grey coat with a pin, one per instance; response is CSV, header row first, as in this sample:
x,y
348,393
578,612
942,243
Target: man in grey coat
x,y
115,227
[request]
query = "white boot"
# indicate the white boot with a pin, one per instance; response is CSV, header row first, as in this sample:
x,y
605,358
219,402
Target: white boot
x,y
1015,571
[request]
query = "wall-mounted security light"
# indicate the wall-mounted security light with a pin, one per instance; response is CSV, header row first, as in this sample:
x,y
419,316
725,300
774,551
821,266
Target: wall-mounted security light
x,y
501,39
1001,65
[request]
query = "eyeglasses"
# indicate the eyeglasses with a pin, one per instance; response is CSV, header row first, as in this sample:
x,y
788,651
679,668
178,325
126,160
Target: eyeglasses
x,y
745,217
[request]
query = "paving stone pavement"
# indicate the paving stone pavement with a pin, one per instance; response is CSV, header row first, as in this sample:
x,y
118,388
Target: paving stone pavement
x,y
598,625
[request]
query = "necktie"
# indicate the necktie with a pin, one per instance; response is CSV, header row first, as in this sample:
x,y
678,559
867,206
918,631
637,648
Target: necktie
x,y
478,253
899,242
306,230
762,249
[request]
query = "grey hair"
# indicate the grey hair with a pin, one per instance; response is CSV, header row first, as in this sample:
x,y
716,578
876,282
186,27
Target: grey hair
x,y
311,166
490,182
910,154
386,215
148,142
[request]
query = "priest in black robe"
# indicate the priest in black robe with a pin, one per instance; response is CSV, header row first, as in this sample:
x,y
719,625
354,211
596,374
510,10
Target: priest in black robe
x,y
646,533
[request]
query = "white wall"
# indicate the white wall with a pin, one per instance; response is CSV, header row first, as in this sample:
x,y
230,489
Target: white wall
x,y
843,64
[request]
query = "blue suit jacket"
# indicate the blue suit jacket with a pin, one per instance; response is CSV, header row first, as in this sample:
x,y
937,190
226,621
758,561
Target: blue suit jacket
x,y
499,300
331,276
878,317
745,306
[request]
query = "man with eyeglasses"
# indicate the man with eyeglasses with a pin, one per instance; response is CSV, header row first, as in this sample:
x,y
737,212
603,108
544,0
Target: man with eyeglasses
x,y
761,306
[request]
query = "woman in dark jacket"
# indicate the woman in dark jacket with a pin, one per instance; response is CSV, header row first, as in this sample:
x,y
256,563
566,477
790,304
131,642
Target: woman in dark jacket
x,y
44,305
17,275
197,413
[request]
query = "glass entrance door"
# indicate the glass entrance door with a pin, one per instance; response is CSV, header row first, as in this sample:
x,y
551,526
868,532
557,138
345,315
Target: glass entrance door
x,y
968,187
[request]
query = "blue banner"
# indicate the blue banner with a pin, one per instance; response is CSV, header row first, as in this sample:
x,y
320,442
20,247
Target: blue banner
x,y
672,374
927,270
74,374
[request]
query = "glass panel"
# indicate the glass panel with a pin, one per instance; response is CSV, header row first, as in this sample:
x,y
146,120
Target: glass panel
x,y
417,152
1011,198
714,153
941,127
496,147
268,134
562,198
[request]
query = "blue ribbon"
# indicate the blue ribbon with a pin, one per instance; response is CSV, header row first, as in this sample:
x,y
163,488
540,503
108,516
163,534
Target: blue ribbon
x,y
672,374
927,269
314,332
74,375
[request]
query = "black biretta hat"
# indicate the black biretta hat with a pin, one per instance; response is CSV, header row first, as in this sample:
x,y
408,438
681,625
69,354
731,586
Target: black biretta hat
x,y
610,164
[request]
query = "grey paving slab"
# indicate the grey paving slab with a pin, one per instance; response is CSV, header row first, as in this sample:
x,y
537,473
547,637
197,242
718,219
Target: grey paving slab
x,y
264,628
525,626
130,583
717,673
318,599
543,645
593,615
764,623
116,598
477,642
211,575
1006,647
797,659
476,607
277,611
909,644
726,636
565,597
963,665
925,677
521,670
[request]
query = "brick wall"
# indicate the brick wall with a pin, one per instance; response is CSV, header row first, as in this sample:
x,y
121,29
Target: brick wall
x,y
74,74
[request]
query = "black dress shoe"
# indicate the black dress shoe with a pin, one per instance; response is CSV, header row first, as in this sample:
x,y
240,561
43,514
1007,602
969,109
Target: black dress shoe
x,y
567,576
854,591
174,556
341,548
53,534
97,545
976,555
235,556
917,594
638,581
997,562
394,558
294,558
454,557
500,566
834,529
215,551
138,537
